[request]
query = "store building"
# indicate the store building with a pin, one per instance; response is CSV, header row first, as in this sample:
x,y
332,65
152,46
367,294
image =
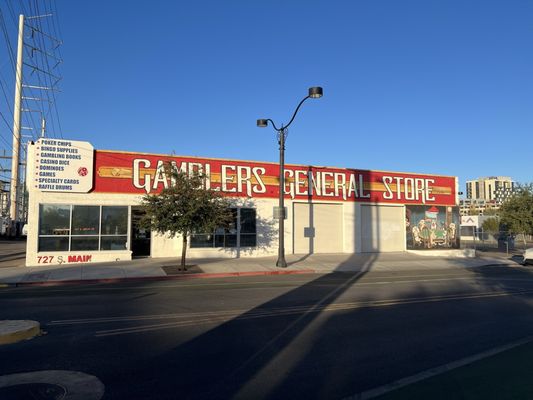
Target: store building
x,y
84,207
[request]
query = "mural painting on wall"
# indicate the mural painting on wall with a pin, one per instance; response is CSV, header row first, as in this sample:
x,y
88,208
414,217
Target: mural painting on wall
x,y
432,227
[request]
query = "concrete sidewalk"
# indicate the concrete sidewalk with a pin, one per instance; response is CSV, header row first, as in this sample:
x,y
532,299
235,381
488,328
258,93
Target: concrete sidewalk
x,y
151,268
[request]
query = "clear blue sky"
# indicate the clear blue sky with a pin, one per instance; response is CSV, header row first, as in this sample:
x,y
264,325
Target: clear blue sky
x,y
442,87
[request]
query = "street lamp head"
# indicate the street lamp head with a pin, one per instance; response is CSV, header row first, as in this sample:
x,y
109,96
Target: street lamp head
x,y
315,92
262,123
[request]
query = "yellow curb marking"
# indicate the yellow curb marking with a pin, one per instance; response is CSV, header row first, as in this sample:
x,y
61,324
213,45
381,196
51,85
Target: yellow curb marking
x,y
16,331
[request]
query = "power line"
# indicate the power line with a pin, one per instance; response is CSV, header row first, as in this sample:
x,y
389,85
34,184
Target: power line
x,y
57,65
41,73
46,60
39,48
8,42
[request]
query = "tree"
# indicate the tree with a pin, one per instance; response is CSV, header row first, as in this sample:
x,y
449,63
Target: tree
x,y
493,212
517,212
185,206
491,225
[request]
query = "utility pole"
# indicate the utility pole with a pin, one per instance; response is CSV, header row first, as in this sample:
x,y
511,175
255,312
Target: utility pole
x,y
14,191
17,192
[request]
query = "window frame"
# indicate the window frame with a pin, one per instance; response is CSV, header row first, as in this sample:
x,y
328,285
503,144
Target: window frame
x,y
70,235
226,233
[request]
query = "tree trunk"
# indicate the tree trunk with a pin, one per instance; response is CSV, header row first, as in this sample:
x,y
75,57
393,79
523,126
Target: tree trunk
x,y
183,251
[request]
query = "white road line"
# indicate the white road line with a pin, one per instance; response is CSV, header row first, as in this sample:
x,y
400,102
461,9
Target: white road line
x,y
270,310
381,390
289,283
226,316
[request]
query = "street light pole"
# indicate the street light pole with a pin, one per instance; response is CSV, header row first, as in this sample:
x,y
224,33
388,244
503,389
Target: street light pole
x,y
314,93
281,204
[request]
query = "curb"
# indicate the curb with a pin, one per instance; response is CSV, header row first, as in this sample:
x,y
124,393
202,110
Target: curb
x,y
12,331
159,278
503,264
192,276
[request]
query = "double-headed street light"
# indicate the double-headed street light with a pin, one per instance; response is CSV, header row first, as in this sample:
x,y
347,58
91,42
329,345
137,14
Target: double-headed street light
x,y
314,93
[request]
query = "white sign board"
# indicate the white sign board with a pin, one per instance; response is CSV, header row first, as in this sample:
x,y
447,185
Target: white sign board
x,y
469,220
63,166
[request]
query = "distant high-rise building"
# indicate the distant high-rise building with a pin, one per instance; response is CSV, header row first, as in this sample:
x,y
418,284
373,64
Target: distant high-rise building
x,y
486,192
491,189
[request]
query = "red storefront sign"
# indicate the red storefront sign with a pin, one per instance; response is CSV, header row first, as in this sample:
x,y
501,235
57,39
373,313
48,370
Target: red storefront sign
x,y
118,172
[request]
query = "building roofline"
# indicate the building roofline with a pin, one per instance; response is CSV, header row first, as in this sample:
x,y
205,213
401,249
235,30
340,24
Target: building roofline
x,y
273,163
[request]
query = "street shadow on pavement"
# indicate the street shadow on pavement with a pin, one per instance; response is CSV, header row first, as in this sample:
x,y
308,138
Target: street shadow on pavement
x,y
314,341
261,350
288,347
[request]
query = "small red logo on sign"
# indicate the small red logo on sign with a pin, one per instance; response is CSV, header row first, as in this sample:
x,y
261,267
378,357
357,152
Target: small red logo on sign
x,y
82,171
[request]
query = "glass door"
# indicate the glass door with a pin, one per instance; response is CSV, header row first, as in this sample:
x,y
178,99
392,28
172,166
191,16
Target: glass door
x,y
140,236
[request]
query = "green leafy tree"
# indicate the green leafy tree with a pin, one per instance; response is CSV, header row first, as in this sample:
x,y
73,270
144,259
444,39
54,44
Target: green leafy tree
x,y
517,212
186,206
491,212
491,225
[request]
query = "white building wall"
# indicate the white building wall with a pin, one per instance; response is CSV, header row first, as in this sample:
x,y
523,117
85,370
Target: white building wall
x,y
164,246
161,245
318,227
351,212
354,228
267,233
382,228
94,199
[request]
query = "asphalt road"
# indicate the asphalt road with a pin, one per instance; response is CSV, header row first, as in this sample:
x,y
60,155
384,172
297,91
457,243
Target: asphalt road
x,y
12,253
273,337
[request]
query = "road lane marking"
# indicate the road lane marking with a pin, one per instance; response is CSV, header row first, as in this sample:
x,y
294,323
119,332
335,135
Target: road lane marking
x,y
274,310
176,315
400,383
238,315
275,284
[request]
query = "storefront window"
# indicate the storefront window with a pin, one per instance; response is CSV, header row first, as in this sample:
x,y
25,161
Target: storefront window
x,y
77,228
84,243
58,243
85,220
113,243
114,220
114,228
227,237
248,228
54,219
202,240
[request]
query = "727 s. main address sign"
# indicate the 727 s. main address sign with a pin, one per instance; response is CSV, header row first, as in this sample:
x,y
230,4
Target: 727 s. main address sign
x,y
63,166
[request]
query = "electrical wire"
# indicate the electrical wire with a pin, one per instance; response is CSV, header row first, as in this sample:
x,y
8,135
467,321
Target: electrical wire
x,y
45,65
49,69
42,58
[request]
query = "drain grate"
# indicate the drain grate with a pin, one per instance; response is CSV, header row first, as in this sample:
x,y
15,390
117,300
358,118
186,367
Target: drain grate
x,y
33,391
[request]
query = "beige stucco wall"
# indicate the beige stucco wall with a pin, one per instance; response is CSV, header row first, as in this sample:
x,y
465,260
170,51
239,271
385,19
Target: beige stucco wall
x,y
349,236
382,228
163,246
